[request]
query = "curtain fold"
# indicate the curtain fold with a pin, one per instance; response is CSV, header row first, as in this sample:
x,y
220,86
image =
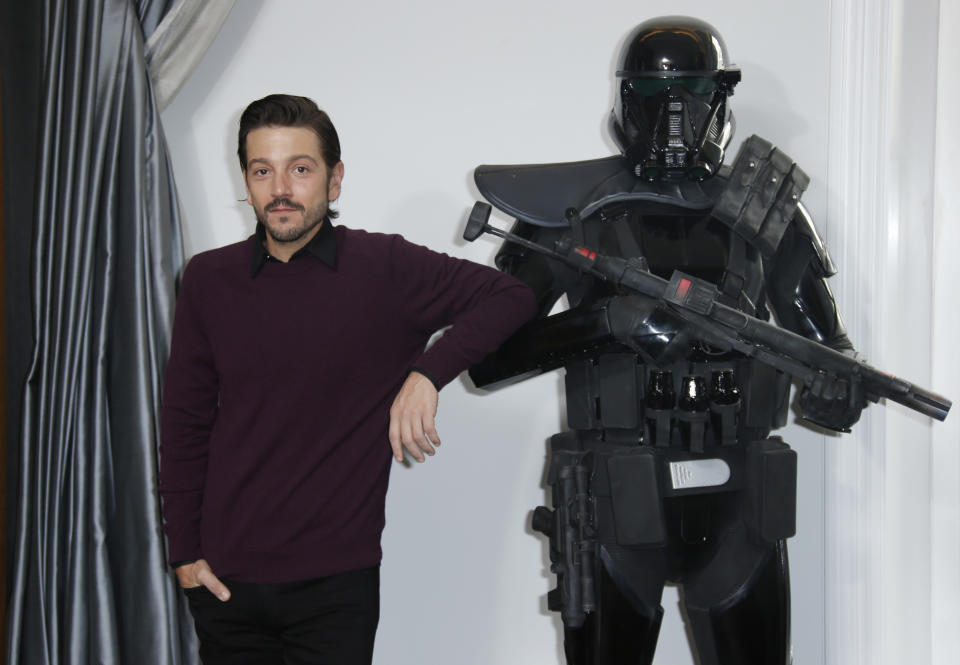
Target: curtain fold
x,y
175,48
90,582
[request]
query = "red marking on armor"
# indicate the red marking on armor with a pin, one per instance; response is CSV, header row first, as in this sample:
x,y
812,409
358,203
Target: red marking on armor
x,y
583,251
683,287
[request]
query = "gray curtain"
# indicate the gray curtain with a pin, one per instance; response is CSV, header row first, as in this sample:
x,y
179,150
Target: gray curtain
x,y
90,582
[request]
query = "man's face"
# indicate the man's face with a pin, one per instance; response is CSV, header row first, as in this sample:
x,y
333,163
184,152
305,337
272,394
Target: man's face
x,y
288,184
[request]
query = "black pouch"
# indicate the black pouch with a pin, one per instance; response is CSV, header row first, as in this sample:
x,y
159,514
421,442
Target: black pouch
x,y
634,497
770,492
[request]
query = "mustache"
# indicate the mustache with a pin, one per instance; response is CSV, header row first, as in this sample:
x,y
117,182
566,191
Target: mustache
x,y
283,203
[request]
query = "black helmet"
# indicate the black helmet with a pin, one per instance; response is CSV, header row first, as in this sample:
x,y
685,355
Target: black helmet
x,y
670,116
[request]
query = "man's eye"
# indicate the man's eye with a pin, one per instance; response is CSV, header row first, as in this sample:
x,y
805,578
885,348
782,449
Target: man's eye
x,y
260,172
300,169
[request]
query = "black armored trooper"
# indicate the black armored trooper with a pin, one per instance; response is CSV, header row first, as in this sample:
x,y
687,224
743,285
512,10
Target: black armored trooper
x,y
668,471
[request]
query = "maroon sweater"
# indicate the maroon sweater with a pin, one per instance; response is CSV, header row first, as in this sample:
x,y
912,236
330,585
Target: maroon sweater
x,y
274,449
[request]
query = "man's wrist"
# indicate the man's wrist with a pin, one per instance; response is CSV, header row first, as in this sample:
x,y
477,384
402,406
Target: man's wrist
x,y
186,562
426,374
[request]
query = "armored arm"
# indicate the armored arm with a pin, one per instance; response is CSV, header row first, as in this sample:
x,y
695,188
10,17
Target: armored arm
x,y
796,279
544,343
546,278
621,323
797,289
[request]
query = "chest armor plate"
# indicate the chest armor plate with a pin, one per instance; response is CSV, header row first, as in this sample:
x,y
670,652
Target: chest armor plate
x,y
694,243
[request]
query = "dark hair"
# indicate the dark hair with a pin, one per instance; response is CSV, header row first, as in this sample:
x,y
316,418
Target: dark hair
x,y
289,111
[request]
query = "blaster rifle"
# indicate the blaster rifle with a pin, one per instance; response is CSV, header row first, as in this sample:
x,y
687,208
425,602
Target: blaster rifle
x,y
695,301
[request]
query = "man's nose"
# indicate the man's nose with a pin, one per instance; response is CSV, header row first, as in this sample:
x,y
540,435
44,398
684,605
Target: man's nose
x,y
281,185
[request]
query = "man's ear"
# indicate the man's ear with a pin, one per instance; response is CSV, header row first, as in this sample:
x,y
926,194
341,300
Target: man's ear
x,y
246,188
336,179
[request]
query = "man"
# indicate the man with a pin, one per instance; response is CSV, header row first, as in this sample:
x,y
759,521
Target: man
x,y
297,363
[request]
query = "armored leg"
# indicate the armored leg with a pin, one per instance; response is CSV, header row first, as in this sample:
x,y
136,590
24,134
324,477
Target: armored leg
x,y
624,628
608,594
738,600
739,605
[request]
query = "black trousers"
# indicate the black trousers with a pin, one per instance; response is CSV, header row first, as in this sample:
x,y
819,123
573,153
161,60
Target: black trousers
x,y
326,621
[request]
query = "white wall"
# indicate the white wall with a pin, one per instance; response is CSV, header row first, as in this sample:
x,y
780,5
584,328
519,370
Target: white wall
x,y
945,455
421,92
893,495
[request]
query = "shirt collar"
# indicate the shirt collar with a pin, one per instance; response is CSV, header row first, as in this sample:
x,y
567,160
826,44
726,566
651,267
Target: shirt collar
x,y
323,247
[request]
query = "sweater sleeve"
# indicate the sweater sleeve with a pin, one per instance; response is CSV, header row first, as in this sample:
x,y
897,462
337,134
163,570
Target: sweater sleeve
x,y
481,306
190,399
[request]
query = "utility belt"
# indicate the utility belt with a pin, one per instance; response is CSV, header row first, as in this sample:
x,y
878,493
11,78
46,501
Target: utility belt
x,y
687,404
614,494
626,485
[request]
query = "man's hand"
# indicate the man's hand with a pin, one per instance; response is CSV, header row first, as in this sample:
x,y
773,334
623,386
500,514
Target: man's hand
x,y
412,418
198,573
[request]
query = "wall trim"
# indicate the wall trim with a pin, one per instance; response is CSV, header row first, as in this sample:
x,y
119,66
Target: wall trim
x,y
882,137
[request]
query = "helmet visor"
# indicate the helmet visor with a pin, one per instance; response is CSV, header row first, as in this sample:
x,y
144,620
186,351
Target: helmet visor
x,y
645,87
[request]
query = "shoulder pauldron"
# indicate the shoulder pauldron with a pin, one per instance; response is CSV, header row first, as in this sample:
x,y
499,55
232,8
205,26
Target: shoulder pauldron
x,y
757,197
543,193
762,194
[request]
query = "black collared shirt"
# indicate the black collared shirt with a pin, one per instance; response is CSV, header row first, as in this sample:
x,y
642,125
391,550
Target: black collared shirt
x,y
322,246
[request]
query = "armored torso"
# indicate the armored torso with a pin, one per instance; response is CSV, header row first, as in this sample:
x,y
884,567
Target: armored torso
x,y
626,356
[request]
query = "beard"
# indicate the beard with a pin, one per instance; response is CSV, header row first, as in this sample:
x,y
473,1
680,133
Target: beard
x,y
289,232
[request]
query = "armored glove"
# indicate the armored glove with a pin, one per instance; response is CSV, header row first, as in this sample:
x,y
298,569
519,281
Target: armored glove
x,y
832,402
